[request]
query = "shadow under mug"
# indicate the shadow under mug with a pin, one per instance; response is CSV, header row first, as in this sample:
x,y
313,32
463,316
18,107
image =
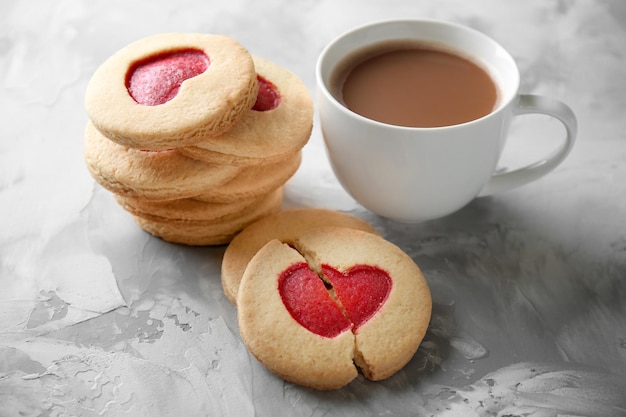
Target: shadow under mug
x,y
417,174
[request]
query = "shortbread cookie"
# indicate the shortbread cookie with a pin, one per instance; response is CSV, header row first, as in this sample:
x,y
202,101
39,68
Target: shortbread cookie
x,y
209,232
296,355
187,208
278,125
150,175
254,181
333,298
171,90
285,226
387,336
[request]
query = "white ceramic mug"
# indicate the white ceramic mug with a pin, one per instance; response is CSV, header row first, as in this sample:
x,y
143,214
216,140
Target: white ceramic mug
x,y
416,174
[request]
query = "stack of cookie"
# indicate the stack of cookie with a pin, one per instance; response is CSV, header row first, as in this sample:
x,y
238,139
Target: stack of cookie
x,y
194,135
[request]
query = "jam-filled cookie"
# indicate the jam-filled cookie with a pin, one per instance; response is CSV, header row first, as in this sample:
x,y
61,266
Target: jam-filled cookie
x,y
216,231
187,208
285,226
171,90
279,123
149,175
330,303
253,181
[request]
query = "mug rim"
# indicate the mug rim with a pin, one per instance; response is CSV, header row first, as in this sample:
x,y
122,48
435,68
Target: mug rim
x,y
321,83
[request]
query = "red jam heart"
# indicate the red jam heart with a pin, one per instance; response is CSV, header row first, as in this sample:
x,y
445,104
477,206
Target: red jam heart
x,y
157,79
267,97
361,290
307,300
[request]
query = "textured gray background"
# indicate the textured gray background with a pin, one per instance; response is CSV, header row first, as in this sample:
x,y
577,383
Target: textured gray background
x,y
98,318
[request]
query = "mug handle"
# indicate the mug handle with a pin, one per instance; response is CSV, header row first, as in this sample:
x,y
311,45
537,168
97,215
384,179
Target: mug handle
x,y
534,104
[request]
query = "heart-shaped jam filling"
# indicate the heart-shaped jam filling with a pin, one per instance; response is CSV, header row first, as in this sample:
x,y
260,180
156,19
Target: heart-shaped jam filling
x,y
267,98
157,79
361,291
306,298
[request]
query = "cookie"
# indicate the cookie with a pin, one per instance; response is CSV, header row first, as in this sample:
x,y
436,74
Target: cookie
x,y
171,90
285,226
327,363
333,301
187,208
208,232
253,181
278,125
150,175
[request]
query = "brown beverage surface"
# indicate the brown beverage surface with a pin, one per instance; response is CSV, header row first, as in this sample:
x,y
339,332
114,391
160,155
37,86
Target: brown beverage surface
x,y
417,86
